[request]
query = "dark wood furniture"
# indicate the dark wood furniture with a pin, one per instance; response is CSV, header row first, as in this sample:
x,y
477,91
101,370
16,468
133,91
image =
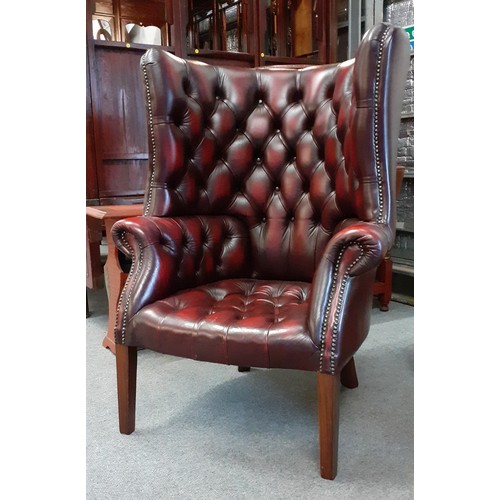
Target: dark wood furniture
x,y
382,287
101,219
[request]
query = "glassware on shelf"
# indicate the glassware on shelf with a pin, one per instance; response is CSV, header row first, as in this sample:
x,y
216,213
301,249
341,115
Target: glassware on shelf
x,y
101,29
217,25
135,33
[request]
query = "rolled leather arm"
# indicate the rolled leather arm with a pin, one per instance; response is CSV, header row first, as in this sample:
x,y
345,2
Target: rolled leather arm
x,y
170,254
342,291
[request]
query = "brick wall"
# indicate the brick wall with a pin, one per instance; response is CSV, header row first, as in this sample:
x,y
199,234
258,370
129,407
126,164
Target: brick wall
x,y
401,13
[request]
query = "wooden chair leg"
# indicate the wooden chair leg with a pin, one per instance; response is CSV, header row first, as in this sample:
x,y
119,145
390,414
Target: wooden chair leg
x,y
126,372
328,413
385,297
243,368
348,377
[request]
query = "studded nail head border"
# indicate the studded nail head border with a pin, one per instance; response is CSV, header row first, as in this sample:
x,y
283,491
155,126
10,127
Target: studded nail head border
x,y
338,310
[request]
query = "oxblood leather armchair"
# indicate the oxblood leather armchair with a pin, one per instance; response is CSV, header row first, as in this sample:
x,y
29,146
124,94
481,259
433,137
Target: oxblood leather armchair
x,y
270,203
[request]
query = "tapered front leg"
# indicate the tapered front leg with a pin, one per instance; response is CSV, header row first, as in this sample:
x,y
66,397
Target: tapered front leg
x,y
126,372
328,413
348,376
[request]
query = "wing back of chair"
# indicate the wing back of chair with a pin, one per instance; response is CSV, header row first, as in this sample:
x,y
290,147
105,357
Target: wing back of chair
x,y
292,152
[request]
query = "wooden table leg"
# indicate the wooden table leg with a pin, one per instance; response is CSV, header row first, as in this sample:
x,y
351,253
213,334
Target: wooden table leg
x,y
93,253
384,275
114,274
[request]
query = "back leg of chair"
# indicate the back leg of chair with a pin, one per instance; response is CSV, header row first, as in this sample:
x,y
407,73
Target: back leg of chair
x,y
243,368
126,372
348,376
328,415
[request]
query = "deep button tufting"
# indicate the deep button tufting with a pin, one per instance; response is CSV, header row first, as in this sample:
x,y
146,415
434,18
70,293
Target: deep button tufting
x,y
263,219
236,304
186,85
277,188
258,153
292,219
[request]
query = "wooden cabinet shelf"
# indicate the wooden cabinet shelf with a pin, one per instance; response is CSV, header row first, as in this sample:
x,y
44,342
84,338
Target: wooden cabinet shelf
x,y
277,60
128,45
403,267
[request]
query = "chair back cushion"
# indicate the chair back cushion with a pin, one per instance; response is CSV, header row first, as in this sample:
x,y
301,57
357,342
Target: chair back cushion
x,y
291,151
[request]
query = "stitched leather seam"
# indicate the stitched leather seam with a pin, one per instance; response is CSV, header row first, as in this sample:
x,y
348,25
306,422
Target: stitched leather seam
x,y
324,103
162,121
229,106
315,256
152,137
122,294
336,318
188,77
287,109
129,277
177,190
326,201
328,308
376,137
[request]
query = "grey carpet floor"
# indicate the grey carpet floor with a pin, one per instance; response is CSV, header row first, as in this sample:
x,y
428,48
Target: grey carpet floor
x,y
206,431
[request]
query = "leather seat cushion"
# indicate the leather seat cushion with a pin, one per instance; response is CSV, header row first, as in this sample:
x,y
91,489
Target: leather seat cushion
x,y
239,322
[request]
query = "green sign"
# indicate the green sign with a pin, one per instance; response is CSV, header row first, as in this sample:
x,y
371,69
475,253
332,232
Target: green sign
x,y
409,32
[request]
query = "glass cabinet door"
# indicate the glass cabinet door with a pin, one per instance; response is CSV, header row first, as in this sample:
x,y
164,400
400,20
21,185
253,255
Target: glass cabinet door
x,y
103,21
351,24
290,28
218,25
134,21
201,24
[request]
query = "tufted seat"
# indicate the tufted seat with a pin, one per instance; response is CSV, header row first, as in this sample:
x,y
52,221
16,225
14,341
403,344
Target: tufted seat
x,y
269,206
237,322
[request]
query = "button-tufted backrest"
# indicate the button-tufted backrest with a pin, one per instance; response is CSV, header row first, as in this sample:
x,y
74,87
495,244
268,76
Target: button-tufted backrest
x,y
290,151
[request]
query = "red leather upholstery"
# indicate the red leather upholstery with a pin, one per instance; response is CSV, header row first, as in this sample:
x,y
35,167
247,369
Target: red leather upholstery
x,y
259,177
239,322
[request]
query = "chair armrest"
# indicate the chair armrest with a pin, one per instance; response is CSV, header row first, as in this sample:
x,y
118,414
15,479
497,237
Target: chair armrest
x,y
170,254
341,293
